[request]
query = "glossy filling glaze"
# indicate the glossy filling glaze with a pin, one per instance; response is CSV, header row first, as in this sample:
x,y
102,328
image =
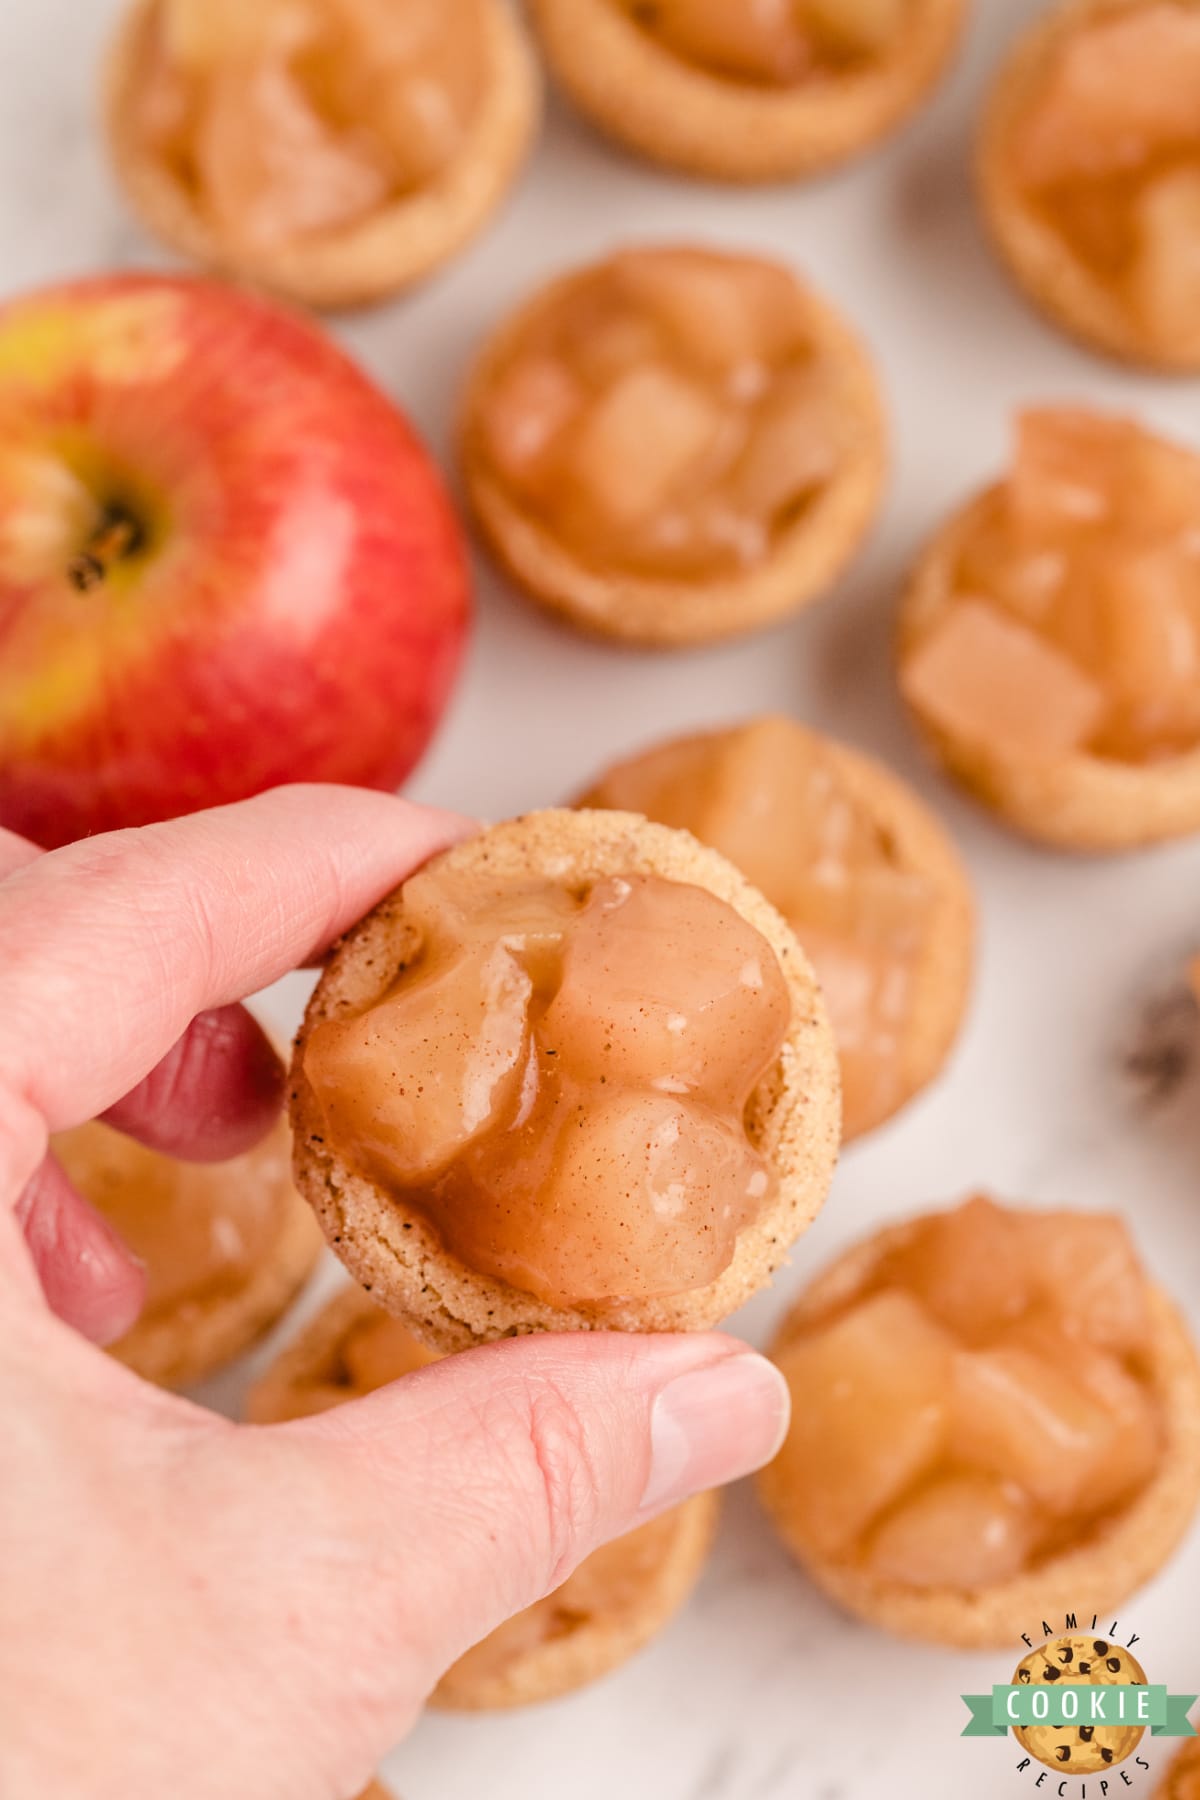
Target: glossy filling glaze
x,y
203,1230
1107,150
774,43
980,1403
558,1080
285,119
1074,620
668,414
766,798
609,1586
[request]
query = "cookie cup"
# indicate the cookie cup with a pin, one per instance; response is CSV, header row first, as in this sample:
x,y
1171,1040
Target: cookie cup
x,y
793,1117
665,612
1047,270
1119,1553
1074,802
398,245
178,1342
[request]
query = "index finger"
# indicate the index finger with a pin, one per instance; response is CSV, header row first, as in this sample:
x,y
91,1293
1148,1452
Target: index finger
x,y
110,947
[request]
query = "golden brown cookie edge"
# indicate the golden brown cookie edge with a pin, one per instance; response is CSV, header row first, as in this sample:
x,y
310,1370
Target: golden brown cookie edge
x,y
660,107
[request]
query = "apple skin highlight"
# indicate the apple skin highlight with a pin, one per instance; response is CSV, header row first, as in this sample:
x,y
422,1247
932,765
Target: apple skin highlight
x,y
226,560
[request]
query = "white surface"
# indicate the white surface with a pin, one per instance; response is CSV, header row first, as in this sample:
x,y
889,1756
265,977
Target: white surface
x,y
743,1698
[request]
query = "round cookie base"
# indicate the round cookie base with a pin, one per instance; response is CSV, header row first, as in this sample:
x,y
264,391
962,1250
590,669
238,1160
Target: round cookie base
x,y
663,612
674,112
1076,802
1121,1553
794,1115
177,1347
356,265
1056,281
921,846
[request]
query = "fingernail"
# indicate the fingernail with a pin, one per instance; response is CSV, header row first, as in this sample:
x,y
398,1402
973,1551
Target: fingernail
x,y
713,1425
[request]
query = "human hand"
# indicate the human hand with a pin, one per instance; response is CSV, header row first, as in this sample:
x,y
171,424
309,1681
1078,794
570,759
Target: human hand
x,y
194,1608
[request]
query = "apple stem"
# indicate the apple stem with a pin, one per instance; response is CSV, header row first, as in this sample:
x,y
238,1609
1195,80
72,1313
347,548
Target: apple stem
x,y
115,536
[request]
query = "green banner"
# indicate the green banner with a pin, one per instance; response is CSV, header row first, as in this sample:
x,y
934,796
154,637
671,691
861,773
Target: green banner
x,y
1079,1703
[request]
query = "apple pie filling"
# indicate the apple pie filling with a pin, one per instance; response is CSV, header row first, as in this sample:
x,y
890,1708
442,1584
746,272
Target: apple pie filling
x,y
557,1080
1106,150
202,1230
763,796
288,118
1074,623
774,43
980,1402
667,414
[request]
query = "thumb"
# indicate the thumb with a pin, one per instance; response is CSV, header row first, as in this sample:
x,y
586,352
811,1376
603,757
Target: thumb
x,y
470,1489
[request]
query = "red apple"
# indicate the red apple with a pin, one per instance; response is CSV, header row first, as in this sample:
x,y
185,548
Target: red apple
x,y
225,559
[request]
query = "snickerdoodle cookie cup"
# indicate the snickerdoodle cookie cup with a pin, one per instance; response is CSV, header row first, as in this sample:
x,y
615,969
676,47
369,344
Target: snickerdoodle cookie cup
x,y
1025,1438
259,145
673,446
1049,639
1089,174
608,1143
757,96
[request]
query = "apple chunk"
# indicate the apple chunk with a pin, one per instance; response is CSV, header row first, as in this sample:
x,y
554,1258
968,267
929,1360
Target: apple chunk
x,y
417,1079
1165,279
634,1195
689,988
969,1266
991,681
639,441
870,1409
960,1531
1021,1417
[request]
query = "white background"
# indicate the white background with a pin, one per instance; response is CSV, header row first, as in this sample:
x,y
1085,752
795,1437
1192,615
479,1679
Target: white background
x,y
760,1690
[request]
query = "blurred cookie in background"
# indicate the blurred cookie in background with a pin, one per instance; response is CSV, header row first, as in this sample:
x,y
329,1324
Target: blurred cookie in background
x,y
674,445
1024,1436
227,1245
335,151
1089,171
1049,639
